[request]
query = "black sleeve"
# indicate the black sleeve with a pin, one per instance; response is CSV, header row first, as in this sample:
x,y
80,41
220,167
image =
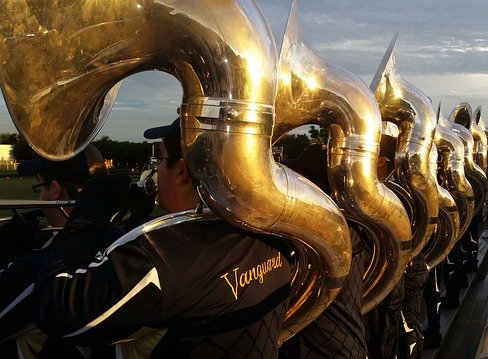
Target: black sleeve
x,y
82,291
16,300
19,236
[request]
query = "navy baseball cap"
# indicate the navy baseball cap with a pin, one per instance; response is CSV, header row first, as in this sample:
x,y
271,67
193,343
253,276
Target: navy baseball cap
x,y
74,170
163,131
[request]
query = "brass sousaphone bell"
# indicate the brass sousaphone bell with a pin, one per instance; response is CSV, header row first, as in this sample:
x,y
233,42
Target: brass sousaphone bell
x,y
451,172
460,121
478,131
60,58
411,111
314,91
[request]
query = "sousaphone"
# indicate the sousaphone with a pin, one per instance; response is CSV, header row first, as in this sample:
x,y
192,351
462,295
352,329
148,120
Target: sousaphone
x,y
59,59
314,91
411,111
460,120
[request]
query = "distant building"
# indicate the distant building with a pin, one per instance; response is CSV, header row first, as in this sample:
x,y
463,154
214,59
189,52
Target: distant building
x,y
6,153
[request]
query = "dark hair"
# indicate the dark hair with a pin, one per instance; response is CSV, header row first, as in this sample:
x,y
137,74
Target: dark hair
x,y
96,169
172,143
71,173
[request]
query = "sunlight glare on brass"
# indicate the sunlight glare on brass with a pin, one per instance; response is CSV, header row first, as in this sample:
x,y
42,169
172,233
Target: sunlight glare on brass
x,y
57,68
314,91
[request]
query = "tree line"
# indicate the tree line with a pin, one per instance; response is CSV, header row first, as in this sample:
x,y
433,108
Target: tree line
x,y
294,144
127,154
124,154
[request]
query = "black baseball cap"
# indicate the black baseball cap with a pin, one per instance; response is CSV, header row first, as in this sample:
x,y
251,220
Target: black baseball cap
x,y
74,170
163,131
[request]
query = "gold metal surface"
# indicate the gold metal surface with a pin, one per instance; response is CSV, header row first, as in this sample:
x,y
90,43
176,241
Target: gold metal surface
x,y
311,90
480,154
461,119
480,119
483,124
59,58
446,233
451,173
411,110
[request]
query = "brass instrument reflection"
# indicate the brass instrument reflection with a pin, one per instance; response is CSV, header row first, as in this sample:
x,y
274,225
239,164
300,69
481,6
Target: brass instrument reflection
x,y
411,110
480,151
60,59
483,124
451,173
447,230
313,91
461,120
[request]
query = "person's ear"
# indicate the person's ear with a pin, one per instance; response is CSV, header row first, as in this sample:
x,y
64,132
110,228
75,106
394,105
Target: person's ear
x,y
58,191
181,172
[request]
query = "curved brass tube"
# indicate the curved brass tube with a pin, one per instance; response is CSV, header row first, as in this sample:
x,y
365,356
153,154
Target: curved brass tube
x,y
461,120
479,119
480,150
483,125
474,173
57,65
452,176
311,90
411,110
447,230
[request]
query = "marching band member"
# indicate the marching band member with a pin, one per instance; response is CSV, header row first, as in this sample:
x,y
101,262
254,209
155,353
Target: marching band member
x,y
339,332
202,289
57,181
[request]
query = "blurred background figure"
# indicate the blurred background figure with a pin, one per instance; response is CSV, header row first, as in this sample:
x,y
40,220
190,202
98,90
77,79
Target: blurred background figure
x,y
24,243
56,181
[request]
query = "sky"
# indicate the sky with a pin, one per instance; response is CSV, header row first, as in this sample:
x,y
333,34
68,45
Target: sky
x,y
442,49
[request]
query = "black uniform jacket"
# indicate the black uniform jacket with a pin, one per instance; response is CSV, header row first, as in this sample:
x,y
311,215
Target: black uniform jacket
x,y
204,289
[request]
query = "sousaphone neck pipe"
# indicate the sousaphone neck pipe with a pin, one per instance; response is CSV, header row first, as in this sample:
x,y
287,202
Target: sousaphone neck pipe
x,y
447,230
57,67
411,110
452,176
460,121
314,91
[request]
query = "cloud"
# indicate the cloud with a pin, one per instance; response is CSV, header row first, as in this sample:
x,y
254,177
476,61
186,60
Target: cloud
x,y
442,48
433,38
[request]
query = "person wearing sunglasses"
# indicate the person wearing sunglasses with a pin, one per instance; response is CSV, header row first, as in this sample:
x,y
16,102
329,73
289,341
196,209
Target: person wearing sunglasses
x,y
24,244
56,181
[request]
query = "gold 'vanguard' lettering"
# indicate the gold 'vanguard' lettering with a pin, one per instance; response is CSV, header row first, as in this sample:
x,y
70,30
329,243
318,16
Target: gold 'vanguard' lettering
x,y
258,272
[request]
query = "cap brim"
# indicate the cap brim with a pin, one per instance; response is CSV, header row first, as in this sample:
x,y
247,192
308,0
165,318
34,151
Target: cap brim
x,y
29,167
162,131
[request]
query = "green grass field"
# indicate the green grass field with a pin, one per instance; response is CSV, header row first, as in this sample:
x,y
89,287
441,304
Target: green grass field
x,y
16,188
